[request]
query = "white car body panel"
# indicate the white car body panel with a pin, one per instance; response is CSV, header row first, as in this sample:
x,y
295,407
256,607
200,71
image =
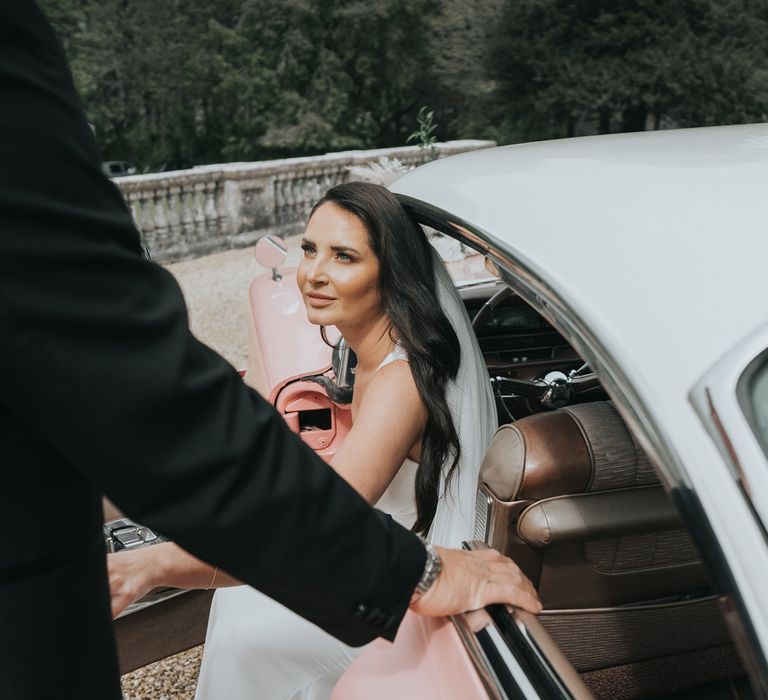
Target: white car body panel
x,y
657,242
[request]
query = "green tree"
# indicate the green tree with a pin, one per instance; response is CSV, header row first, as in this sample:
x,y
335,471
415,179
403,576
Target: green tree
x,y
246,79
621,65
462,90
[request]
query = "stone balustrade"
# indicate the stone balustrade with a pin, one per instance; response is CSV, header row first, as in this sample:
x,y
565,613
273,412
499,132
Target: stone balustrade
x,y
187,213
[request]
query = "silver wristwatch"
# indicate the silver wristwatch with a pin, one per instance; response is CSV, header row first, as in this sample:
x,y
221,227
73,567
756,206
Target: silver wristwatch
x,y
432,569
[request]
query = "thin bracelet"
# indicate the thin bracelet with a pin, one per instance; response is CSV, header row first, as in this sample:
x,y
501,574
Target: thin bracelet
x,y
213,578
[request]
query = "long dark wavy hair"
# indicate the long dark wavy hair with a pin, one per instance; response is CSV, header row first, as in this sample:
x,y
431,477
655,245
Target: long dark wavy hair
x,y
409,298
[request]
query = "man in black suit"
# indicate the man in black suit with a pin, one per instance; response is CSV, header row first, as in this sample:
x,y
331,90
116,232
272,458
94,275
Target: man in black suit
x,y
104,389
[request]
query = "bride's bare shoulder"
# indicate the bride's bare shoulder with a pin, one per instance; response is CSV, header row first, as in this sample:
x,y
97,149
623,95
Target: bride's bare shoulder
x,y
389,422
393,386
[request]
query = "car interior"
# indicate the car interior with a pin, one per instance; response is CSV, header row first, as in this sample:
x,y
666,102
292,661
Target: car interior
x,y
569,494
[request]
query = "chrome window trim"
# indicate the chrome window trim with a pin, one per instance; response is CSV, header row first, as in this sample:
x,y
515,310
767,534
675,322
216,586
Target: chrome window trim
x,y
520,275
744,395
722,403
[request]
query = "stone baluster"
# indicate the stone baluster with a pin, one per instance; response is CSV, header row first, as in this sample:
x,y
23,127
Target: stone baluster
x,y
297,198
290,199
199,210
284,213
135,200
280,200
211,213
221,214
174,219
159,215
187,204
148,226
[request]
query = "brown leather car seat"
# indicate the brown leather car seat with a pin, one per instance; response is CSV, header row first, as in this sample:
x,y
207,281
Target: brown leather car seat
x,y
570,495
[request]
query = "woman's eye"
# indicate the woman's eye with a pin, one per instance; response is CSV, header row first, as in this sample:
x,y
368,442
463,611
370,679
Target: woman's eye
x,y
344,257
308,249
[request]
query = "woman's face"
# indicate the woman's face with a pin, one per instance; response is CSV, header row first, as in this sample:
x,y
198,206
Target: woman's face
x,y
338,276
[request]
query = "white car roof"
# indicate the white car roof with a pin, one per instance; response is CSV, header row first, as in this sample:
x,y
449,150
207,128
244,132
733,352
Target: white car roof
x,y
657,240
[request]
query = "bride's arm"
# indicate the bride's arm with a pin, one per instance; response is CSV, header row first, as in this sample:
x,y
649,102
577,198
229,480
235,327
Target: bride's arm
x,y
133,574
389,422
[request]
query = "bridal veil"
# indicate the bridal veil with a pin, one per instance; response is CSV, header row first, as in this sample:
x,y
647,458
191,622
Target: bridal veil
x,y
473,410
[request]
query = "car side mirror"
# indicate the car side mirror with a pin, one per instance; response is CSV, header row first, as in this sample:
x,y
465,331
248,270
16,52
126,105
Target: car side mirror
x,y
270,252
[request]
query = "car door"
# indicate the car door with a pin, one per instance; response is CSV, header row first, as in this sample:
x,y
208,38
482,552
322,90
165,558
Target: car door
x,y
491,654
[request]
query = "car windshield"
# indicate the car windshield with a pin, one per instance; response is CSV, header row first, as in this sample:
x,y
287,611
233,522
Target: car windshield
x,y
756,395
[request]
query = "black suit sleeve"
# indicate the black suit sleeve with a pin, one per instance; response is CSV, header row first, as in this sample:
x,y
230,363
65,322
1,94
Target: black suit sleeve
x,y
97,358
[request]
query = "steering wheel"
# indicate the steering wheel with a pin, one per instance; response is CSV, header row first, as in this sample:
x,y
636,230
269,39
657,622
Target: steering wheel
x,y
554,389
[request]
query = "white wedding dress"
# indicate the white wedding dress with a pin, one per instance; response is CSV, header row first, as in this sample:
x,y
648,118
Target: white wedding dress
x,y
256,649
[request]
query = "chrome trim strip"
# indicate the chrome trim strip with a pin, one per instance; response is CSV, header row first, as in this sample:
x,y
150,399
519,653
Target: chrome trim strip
x,y
520,275
483,506
721,401
523,678
509,659
478,658
151,599
468,284
509,650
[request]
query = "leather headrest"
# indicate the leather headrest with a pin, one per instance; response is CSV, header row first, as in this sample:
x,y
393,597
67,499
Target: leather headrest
x,y
577,449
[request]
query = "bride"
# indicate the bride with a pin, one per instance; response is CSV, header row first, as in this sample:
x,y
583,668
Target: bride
x,y
422,416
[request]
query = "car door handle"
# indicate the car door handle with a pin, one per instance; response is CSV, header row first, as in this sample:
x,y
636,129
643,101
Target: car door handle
x,y
123,534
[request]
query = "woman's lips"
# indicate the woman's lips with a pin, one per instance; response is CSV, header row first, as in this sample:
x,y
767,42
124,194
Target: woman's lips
x,y
319,301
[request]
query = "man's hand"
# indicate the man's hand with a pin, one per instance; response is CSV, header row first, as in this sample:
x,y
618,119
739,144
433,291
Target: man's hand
x,y
472,580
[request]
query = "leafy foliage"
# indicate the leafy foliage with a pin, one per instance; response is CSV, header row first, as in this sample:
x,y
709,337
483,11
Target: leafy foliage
x,y
424,137
210,81
625,65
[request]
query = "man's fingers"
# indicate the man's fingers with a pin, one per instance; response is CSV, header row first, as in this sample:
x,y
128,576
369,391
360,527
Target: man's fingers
x,y
477,619
512,594
507,580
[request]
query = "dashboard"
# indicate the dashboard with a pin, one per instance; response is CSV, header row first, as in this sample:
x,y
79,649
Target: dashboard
x,y
519,343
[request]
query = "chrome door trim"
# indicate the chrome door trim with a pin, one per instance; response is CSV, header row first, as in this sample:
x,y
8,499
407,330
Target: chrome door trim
x,y
159,595
479,660
508,657
514,654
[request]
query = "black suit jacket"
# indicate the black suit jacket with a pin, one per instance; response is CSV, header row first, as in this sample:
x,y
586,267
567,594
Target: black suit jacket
x,y
104,389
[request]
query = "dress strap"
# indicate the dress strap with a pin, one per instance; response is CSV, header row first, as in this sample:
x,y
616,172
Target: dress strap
x,y
397,354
